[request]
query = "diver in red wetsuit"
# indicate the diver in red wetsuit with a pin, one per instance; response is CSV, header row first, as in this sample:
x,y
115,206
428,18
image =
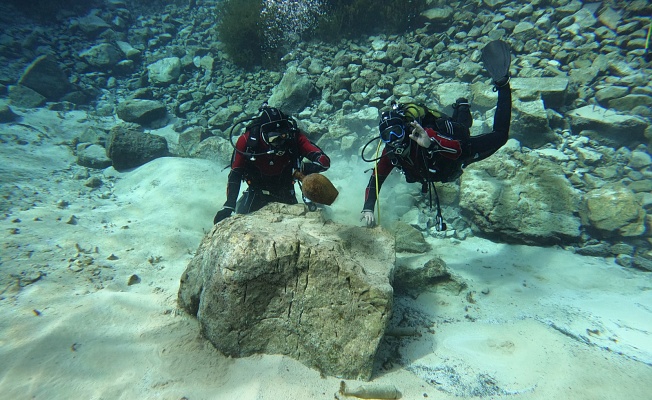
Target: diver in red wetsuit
x,y
266,156
428,146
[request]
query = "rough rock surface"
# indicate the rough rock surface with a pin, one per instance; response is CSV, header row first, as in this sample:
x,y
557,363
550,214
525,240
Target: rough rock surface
x,y
93,156
45,76
130,148
413,280
165,71
520,198
409,239
614,129
284,281
104,56
141,111
624,215
292,93
23,97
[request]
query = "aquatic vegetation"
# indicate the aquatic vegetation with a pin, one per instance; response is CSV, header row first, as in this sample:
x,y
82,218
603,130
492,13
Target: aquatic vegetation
x,y
240,29
255,32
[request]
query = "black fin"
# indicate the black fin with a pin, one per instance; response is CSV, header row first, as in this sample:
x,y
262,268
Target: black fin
x,y
496,58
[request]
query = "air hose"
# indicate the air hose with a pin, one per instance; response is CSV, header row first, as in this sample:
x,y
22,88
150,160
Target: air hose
x,y
376,175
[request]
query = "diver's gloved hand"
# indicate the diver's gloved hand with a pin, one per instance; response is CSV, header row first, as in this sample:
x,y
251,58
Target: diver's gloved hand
x,y
311,168
369,218
222,214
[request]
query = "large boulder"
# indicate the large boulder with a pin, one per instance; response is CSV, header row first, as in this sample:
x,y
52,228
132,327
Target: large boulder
x,y
607,126
613,210
103,56
165,71
447,93
531,126
214,148
92,25
23,97
92,156
553,90
284,281
521,198
141,111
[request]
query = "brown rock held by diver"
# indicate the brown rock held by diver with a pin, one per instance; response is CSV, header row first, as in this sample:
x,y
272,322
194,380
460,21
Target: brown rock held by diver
x,y
317,188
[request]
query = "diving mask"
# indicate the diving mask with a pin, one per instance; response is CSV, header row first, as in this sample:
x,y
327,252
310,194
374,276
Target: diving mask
x,y
392,134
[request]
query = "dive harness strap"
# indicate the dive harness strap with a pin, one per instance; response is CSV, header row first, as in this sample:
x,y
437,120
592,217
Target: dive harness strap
x,y
440,225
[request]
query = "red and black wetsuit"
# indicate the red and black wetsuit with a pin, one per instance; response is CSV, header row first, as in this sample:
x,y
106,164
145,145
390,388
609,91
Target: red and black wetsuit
x,y
269,175
420,165
445,164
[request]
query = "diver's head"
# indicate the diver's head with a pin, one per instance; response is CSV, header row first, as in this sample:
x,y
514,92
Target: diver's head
x,y
393,130
276,128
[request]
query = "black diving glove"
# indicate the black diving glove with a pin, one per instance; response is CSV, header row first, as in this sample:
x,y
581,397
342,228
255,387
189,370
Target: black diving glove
x,y
311,168
222,214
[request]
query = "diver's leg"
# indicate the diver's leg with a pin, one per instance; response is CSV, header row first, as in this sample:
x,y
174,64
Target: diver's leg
x,y
251,200
482,146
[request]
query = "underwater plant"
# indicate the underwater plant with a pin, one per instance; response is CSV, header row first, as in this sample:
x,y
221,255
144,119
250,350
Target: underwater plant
x,y
257,32
239,28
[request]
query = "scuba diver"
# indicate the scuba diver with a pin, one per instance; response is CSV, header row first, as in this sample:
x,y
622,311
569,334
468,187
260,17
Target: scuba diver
x,y
267,156
428,146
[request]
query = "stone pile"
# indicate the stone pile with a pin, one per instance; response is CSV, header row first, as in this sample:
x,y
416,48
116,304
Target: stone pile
x,y
582,98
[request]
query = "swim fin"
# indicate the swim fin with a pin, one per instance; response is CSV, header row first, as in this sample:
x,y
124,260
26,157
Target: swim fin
x,y
496,58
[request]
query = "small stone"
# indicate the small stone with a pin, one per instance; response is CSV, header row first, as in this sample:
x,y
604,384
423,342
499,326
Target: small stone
x,y
133,279
75,267
93,182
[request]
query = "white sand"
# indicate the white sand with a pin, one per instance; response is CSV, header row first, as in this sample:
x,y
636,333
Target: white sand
x,y
540,323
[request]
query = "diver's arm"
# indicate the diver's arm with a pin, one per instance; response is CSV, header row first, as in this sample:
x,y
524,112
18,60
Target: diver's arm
x,y
384,168
237,172
319,160
233,188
